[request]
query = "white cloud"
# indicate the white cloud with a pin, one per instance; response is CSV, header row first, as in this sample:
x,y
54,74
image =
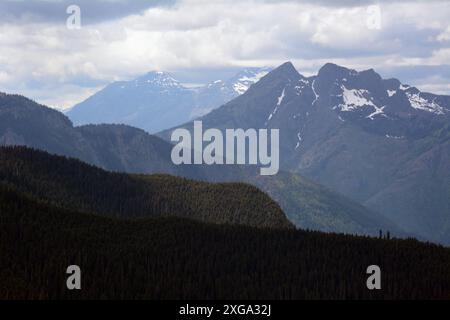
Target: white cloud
x,y
445,35
36,56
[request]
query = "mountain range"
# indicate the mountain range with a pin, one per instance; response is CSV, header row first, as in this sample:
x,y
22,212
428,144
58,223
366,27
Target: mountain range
x,y
377,141
157,101
127,149
358,153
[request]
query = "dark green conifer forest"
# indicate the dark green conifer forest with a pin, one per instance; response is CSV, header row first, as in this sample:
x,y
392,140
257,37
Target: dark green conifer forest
x,y
132,244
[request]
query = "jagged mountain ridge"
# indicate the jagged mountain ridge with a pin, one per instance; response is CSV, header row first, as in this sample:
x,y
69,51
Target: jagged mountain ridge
x,y
357,134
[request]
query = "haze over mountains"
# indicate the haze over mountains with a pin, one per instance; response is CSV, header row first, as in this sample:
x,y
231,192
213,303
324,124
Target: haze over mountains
x,y
378,141
156,101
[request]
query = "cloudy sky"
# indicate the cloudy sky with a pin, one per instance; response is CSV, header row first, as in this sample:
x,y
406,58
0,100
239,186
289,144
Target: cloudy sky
x,y
199,41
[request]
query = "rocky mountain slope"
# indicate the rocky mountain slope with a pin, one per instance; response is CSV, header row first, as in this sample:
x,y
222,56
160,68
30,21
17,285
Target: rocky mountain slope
x,y
377,141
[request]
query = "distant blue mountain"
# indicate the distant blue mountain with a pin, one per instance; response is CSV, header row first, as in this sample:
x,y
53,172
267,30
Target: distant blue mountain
x,y
157,101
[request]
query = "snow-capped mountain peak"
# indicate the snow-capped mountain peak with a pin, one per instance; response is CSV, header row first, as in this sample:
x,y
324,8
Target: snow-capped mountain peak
x,y
243,80
156,100
218,92
370,96
158,79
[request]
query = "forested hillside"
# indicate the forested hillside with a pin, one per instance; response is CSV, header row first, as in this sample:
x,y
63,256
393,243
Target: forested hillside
x,y
174,258
74,185
126,149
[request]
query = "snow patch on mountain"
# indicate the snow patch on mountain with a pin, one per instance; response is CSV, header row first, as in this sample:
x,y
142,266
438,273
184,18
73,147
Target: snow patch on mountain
x,y
314,91
247,78
158,79
299,138
394,137
391,92
240,88
279,102
378,111
255,77
302,83
420,103
280,98
214,83
355,98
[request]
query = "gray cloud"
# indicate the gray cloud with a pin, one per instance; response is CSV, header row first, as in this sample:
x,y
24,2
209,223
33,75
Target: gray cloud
x,y
102,10
92,11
